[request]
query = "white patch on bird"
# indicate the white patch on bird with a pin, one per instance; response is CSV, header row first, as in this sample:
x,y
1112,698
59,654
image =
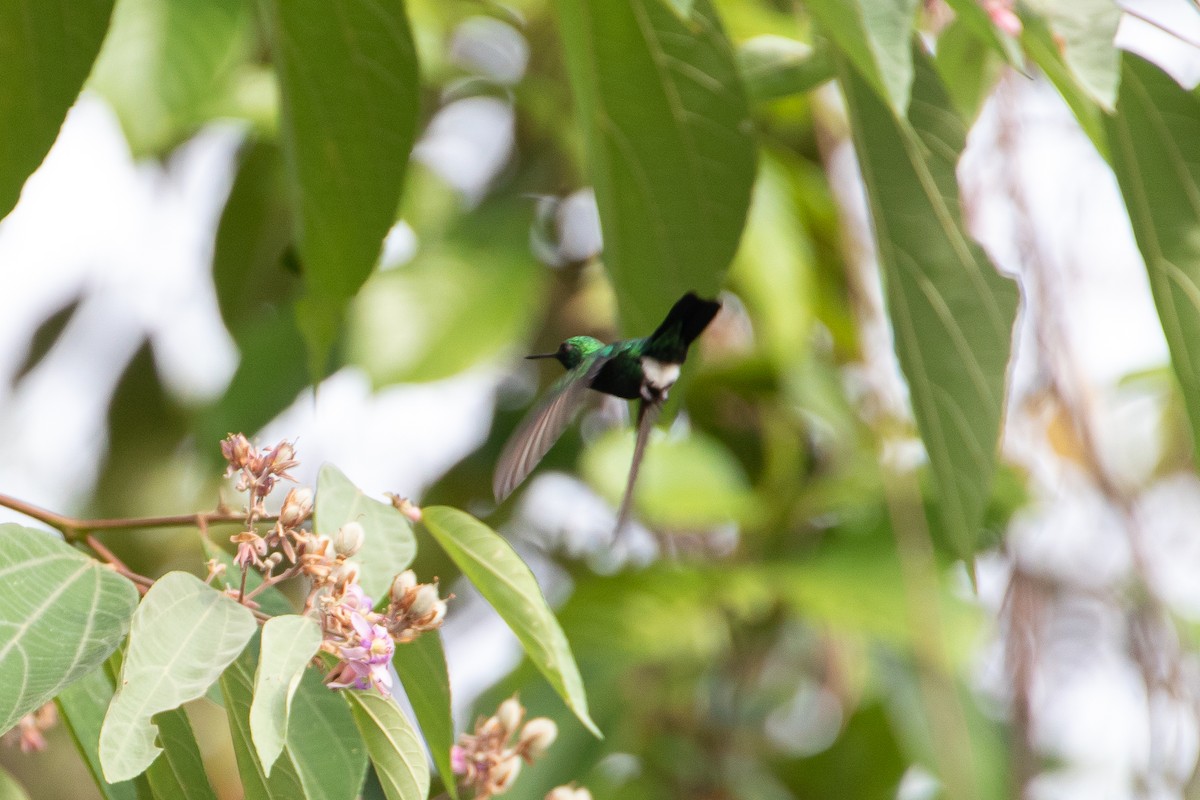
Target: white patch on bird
x,y
661,375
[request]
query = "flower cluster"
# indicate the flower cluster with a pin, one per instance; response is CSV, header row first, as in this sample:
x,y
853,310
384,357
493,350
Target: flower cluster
x,y
362,639
489,760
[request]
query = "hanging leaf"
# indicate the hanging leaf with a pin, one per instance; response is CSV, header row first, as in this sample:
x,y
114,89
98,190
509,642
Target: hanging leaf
x,y
951,312
421,665
876,38
388,546
168,664
46,53
393,745
670,145
61,615
348,79
288,644
505,581
1155,137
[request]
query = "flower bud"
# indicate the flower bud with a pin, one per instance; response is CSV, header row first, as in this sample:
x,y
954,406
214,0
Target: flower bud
x,y
403,584
274,560
349,539
282,457
236,450
569,793
436,616
510,714
504,775
537,736
296,507
423,602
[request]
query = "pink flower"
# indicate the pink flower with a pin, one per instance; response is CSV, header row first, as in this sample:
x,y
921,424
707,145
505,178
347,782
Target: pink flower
x,y
365,663
458,760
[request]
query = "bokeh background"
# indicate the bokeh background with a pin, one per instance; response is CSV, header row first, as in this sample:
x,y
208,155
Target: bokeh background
x,y
776,640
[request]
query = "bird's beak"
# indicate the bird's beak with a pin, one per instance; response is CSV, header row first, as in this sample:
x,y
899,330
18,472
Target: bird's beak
x,y
543,355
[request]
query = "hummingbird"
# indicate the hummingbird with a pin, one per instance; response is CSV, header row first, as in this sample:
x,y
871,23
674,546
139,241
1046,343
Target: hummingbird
x,y
633,369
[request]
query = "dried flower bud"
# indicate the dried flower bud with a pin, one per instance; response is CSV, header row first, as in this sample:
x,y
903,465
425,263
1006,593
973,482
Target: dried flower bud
x,y
423,602
504,775
510,714
536,737
404,583
274,560
406,507
349,539
282,457
296,507
237,450
435,618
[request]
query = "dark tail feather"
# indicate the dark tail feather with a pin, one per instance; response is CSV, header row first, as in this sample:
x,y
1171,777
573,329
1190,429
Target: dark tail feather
x,y
647,414
686,320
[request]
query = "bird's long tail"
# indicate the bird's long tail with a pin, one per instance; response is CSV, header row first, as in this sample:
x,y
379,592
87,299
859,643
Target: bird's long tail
x,y
647,415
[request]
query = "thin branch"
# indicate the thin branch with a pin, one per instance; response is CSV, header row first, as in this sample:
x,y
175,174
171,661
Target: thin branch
x,y
73,528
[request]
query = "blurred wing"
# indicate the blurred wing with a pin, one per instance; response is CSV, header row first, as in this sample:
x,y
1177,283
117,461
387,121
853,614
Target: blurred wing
x,y
540,430
647,414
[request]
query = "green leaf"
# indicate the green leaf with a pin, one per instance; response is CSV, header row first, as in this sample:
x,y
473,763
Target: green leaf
x,y
1155,138
288,644
876,38
776,66
81,707
504,580
690,483
421,665
388,547
972,15
669,142
45,55
968,70
61,615
348,80
184,633
10,789
1038,41
323,742
167,64
237,686
179,771
394,747
1087,29
951,312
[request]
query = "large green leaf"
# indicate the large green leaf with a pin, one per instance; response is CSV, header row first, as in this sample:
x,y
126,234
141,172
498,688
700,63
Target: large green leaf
x,y
288,644
81,707
46,51
776,66
348,80
324,743
184,634
1155,137
951,312
670,145
167,65
1084,30
421,665
237,687
505,581
1038,40
876,38
388,547
393,745
61,615
179,771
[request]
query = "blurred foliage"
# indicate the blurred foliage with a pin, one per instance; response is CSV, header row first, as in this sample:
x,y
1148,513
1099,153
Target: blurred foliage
x,y
809,636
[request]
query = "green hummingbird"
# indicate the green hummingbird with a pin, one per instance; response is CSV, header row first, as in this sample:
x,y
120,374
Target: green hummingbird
x,y
634,369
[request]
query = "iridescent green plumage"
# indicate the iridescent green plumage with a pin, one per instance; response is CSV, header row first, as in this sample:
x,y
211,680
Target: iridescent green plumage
x,y
633,369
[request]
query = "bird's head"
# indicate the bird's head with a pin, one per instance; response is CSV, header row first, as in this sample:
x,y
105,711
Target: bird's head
x,y
573,351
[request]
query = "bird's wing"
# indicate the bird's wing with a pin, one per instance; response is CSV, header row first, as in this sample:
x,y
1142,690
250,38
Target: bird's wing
x,y
540,430
647,415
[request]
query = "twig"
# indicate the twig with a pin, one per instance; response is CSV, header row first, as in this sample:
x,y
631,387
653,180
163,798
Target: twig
x,y
143,583
73,528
